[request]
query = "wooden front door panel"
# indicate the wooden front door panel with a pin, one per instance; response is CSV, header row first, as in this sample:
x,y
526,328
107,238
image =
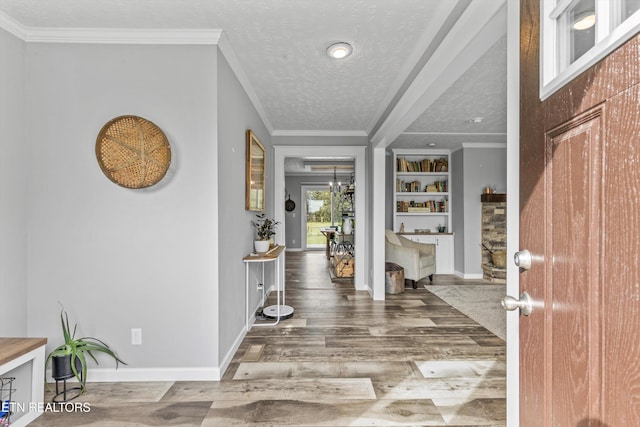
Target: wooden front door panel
x,y
580,218
572,309
621,263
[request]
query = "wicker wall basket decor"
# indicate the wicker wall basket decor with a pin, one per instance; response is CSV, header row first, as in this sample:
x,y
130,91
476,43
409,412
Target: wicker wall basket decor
x,y
133,152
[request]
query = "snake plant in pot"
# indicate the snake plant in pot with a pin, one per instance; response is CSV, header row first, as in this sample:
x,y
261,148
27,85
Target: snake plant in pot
x,y
69,360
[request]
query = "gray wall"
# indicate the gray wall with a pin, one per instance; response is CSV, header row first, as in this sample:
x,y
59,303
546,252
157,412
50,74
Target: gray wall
x,y
236,114
119,258
13,189
482,166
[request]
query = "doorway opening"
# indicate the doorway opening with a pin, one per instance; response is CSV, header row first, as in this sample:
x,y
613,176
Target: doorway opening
x,y
317,216
284,156
324,209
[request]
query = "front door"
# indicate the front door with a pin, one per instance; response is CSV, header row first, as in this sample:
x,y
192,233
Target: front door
x,y
580,219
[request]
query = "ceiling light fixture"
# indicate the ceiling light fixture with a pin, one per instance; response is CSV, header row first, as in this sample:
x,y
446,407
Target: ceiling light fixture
x,y
432,144
475,120
339,50
585,20
335,185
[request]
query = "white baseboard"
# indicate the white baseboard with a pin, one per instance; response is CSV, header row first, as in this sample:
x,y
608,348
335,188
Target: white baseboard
x,y
293,250
468,276
226,361
101,375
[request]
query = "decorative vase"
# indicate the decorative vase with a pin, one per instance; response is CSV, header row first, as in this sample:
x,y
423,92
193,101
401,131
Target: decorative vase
x,y
346,226
261,246
499,259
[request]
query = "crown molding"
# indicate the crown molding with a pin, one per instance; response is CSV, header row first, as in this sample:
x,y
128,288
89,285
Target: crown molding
x,y
453,133
484,145
109,35
12,26
124,36
231,57
319,133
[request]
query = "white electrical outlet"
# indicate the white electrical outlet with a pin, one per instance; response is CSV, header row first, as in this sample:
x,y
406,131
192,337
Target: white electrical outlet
x,y
136,336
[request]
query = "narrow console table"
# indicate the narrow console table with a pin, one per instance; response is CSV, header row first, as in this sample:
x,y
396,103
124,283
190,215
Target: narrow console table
x,y
279,310
14,353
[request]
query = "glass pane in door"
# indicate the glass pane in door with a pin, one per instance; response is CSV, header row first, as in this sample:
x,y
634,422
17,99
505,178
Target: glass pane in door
x,y
318,215
582,28
629,7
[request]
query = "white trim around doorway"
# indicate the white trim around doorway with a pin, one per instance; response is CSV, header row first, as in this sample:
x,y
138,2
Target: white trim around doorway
x,y
359,154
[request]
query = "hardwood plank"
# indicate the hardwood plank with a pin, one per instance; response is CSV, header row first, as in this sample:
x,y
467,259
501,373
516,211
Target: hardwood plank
x,y
285,389
252,371
332,414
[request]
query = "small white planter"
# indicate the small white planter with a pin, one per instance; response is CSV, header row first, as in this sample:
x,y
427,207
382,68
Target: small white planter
x,y
261,246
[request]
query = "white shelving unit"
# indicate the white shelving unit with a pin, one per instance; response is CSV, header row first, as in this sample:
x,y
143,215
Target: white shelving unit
x,y
414,206
421,200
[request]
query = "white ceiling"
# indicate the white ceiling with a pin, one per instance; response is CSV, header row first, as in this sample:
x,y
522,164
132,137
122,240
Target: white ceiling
x,y
421,69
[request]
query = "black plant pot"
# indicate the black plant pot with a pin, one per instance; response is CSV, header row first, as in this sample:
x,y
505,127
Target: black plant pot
x,y
61,367
61,371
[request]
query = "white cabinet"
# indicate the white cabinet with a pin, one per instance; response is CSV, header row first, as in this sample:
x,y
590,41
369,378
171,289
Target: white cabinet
x,y
444,249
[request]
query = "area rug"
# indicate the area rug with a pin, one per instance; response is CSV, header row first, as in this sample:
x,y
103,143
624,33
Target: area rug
x,y
479,302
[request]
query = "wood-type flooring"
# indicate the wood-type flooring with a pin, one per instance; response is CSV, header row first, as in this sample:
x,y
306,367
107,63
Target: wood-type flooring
x,y
342,360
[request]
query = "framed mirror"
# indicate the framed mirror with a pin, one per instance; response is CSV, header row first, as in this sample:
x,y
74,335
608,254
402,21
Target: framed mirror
x,y
255,173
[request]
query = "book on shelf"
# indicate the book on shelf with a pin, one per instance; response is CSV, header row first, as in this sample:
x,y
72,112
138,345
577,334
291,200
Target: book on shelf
x,y
424,165
408,187
416,187
425,206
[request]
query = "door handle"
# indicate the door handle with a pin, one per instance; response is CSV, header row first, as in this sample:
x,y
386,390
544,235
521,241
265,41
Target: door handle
x,y
523,259
509,303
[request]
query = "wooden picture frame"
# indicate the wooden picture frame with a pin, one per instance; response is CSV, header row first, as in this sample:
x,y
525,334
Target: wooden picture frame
x,y
255,173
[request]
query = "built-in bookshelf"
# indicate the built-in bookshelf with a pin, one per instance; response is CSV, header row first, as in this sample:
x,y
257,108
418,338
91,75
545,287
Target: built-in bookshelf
x,y
421,196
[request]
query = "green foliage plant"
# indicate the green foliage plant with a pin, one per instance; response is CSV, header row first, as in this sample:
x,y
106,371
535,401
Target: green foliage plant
x,y
265,227
78,348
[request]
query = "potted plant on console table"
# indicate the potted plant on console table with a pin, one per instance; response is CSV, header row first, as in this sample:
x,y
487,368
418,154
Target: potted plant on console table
x,y
69,360
265,228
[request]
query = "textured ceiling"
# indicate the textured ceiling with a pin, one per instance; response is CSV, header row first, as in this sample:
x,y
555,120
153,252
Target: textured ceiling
x,y
280,45
479,93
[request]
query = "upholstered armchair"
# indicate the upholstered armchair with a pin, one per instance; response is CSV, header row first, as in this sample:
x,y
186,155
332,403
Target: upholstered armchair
x,y
417,259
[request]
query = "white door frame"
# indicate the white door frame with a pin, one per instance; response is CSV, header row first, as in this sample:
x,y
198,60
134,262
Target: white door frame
x,y
513,210
359,154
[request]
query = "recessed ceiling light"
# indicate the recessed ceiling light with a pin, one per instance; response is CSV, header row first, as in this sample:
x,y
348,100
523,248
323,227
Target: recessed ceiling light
x,y
475,120
432,144
585,20
339,50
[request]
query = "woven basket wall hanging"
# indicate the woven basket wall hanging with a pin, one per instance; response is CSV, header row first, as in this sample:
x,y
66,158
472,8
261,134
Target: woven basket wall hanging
x,y
133,152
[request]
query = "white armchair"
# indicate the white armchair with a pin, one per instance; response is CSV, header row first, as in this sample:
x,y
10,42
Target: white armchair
x,y
417,259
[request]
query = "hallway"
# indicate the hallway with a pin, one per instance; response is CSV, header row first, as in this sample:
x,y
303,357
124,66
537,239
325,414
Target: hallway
x,y
342,360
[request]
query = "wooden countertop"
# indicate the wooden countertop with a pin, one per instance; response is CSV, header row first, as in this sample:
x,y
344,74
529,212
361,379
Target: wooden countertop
x,y
12,348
